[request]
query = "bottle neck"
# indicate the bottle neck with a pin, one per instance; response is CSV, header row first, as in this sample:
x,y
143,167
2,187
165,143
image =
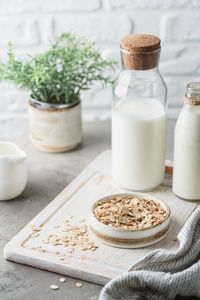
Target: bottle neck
x,y
193,92
143,74
140,61
192,96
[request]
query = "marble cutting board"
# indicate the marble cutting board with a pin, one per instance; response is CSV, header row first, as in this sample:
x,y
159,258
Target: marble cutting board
x,y
106,262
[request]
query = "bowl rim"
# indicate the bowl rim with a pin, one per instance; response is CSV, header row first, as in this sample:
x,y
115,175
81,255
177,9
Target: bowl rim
x,y
139,195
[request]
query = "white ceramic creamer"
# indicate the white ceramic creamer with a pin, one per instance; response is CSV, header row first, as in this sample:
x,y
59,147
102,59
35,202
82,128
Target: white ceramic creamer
x,y
13,171
138,143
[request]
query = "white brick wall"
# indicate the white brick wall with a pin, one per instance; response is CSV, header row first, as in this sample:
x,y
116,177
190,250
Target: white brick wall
x,y
30,24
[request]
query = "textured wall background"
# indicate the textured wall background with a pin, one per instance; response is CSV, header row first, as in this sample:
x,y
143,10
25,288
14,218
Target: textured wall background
x,y
30,24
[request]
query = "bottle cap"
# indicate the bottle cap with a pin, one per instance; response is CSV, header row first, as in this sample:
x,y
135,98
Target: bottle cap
x,y
140,51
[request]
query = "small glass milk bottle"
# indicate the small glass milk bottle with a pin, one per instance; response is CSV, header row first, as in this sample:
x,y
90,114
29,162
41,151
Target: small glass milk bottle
x,y
139,116
186,173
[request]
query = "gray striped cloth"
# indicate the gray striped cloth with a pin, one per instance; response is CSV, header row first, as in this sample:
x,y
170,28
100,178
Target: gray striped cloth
x,y
163,274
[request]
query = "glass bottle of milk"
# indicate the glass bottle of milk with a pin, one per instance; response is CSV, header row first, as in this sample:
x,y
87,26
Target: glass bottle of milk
x,y
139,116
186,173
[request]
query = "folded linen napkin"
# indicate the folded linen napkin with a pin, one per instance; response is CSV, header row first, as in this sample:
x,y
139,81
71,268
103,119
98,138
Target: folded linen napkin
x,y
163,274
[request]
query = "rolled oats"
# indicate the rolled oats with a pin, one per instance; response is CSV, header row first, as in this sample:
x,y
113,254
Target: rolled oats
x,y
130,212
34,235
78,284
70,249
74,237
60,257
54,287
81,220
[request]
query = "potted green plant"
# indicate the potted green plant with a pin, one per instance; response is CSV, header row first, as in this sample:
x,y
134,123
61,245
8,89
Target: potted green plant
x,y
55,79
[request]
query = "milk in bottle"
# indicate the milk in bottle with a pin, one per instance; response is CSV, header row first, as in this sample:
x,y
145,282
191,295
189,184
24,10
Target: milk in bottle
x,y
186,174
138,141
139,116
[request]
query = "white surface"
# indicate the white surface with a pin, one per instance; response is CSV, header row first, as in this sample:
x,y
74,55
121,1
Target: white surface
x,y
106,262
186,179
138,143
31,24
13,171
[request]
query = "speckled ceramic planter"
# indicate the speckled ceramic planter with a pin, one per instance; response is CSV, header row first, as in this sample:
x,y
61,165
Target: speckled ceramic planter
x,y
55,128
129,238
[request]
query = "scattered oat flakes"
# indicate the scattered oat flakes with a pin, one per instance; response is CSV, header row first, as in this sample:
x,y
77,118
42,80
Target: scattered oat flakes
x,y
78,284
70,249
56,226
73,236
175,239
65,222
60,257
54,287
39,249
130,212
34,228
45,241
81,220
62,279
163,190
55,244
34,235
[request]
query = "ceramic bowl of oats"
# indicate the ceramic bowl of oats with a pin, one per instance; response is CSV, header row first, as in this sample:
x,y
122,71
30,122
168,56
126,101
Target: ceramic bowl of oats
x,y
129,220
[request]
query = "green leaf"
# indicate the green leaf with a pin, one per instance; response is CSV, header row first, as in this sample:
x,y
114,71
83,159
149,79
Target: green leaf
x,y
70,65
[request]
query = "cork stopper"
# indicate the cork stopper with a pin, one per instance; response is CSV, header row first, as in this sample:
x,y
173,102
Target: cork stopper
x,y
140,51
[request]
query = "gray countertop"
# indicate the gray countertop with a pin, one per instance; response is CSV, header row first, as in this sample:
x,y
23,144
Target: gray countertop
x,y
48,175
